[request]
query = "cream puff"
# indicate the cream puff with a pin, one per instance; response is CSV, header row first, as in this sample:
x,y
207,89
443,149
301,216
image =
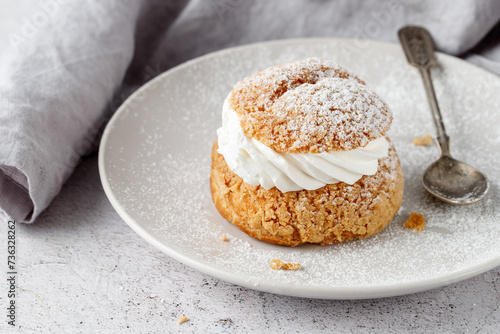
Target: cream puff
x,y
303,156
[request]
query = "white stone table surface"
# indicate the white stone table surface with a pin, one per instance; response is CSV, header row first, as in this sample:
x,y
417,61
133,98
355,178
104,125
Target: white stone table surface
x,y
81,269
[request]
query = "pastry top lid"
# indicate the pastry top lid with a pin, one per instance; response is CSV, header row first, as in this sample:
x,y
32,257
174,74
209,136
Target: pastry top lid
x,y
309,106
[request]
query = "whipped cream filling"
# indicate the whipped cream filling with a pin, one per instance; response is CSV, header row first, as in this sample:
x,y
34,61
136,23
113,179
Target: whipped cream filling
x,y
258,164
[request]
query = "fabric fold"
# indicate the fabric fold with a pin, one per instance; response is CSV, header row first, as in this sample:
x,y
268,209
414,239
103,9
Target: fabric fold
x,y
53,97
14,195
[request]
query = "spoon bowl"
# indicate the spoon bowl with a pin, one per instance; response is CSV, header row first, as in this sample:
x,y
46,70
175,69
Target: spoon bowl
x,y
454,181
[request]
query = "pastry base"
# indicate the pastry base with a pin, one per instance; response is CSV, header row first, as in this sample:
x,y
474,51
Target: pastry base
x,y
331,214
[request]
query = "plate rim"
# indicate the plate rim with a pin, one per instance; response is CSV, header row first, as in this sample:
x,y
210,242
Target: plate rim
x,y
288,288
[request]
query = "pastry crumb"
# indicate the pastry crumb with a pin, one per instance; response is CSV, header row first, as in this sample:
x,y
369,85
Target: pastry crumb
x,y
277,264
182,319
416,221
426,139
224,238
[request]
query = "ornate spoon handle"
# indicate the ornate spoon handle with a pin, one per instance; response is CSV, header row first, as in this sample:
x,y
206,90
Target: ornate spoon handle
x,y
417,45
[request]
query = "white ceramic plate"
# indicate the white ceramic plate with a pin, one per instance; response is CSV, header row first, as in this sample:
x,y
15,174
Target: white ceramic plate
x,y
155,160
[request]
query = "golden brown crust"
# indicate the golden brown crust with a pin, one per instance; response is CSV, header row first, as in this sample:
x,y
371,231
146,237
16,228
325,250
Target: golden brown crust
x,y
293,108
416,221
277,264
331,214
426,139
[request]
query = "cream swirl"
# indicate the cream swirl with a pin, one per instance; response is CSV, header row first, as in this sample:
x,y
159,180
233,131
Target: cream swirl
x,y
258,164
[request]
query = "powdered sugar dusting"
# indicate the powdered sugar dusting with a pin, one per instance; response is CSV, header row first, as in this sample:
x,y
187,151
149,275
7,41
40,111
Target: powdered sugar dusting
x,y
311,111
293,107
157,161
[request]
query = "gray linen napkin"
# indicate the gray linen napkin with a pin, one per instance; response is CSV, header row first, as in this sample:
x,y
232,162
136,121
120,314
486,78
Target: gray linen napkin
x,y
58,73
66,65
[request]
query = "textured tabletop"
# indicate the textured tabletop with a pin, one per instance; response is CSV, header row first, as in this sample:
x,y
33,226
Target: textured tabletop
x,y
81,269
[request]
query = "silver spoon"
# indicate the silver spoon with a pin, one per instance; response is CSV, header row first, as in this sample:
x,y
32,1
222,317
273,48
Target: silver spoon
x,y
448,179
